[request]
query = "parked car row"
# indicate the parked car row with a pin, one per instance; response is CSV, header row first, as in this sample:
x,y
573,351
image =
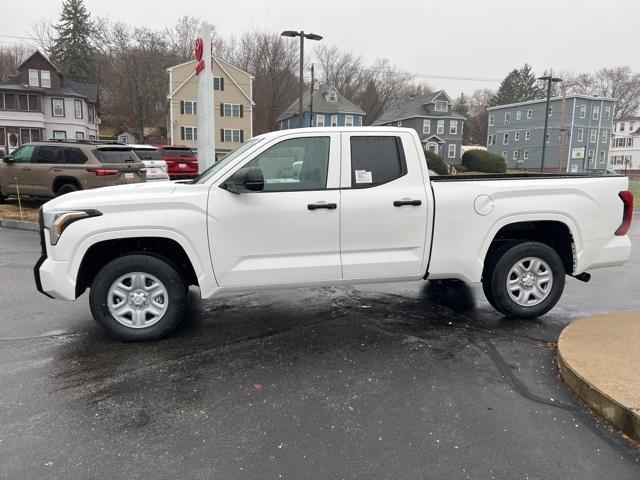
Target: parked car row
x,y
56,167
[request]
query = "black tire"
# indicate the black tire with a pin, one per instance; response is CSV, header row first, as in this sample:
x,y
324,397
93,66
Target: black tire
x,y
489,267
2,197
67,188
164,272
507,258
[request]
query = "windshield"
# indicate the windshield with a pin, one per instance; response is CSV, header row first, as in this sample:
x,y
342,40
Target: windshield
x,y
116,155
148,154
213,169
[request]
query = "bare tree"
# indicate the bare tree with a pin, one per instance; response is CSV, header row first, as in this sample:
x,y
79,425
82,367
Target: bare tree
x,y
44,34
477,123
343,70
10,57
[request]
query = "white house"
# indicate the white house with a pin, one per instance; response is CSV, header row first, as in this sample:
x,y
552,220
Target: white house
x,y
624,153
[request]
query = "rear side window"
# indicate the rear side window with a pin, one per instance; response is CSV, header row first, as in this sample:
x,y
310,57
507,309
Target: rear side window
x,y
376,161
49,155
178,152
148,154
74,156
115,155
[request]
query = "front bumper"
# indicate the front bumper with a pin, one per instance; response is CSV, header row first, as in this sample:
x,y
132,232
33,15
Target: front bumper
x,y
50,276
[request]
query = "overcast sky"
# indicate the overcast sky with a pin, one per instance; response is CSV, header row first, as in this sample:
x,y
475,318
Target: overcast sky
x,y
460,38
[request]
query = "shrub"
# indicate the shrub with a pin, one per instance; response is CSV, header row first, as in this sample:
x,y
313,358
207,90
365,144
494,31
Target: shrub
x,y
483,161
461,169
435,163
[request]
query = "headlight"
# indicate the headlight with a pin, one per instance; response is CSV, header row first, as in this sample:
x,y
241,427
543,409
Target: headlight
x,y
57,221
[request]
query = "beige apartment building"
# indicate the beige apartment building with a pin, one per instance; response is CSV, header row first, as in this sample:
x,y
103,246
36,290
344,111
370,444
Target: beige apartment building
x,y
233,99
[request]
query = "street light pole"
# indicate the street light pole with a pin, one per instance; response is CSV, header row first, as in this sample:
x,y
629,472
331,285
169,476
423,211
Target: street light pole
x,y
302,35
549,79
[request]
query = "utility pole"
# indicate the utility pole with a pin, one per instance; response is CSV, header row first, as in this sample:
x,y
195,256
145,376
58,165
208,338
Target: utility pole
x,y
311,95
302,35
549,79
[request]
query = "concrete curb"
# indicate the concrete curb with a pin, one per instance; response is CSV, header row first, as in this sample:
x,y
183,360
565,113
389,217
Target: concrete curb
x,y
626,418
19,224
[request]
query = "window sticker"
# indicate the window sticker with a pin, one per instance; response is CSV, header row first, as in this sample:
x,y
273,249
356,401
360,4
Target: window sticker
x,y
363,176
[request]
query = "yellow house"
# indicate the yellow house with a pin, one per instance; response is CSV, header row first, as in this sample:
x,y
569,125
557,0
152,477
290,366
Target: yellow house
x,y
233,98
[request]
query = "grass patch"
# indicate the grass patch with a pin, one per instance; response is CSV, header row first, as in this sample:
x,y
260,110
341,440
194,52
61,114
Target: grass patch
x,y
634,187
11,211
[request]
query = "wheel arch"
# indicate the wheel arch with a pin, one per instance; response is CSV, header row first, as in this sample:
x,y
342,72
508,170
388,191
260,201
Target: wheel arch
x,y
63,180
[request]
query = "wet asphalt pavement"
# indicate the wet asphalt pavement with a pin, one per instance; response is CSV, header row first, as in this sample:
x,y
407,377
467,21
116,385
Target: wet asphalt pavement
x,y
392,381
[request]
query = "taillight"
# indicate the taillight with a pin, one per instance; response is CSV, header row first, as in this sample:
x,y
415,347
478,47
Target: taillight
x,y
627,212
103,172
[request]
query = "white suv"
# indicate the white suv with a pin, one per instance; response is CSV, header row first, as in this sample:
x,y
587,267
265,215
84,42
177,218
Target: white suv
x,y
154,164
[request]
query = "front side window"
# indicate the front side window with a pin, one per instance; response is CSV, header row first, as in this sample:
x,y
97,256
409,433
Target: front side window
x,y
376,161
294,164
23,154
34,80
77,104
57,107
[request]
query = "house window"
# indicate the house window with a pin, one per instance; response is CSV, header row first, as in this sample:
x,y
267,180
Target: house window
x,y
348,121
28,103
334,120
319,120
516,136
491,140
231,110
453,127
7,101
516,154
441,106
602,153
57,107
77,104
91,113
29,135
629,142
546,138
188,108
452,150
581,134
218,83
607,113
60,134
189,133
231,135
426,126
527,135
593,136
92,137
518,115
492,120
505,154
332,97
583,111
45,78
507,118
525,154
2,137
505,139
79,135
440,127
33,78
399,123
605,136
529,113
123,139
595,112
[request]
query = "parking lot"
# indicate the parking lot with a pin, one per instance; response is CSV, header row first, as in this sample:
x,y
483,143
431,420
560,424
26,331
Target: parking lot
x,y
409,381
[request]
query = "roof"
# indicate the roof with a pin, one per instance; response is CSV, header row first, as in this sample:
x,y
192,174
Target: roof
x,y
321,104
37,53
414,107
566,97
67,88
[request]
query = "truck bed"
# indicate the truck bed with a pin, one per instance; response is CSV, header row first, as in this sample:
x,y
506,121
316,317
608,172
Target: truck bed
x,y
516,176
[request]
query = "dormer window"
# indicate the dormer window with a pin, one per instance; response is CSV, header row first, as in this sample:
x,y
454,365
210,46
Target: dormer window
x,y
45,78
34,80
441,105
332,96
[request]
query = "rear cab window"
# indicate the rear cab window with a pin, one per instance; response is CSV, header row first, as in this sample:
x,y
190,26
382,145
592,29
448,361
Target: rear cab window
x,y
376,160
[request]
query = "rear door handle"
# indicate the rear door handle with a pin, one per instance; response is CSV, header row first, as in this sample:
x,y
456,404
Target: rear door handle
x,y
56,170
401,203
316,206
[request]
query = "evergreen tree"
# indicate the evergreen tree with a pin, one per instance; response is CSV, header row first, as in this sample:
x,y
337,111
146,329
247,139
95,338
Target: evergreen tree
x,y
461,106
520,85
72,51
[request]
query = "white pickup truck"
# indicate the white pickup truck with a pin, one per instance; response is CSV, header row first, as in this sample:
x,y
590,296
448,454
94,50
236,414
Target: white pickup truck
x,y
321,206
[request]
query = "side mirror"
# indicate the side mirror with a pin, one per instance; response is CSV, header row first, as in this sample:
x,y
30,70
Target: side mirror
x,y
8,159
245,180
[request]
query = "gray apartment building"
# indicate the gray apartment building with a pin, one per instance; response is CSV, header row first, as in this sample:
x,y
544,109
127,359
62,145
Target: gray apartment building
x,y
578,135
438,126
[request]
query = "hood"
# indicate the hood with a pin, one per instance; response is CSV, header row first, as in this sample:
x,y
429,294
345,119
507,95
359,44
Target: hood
x,y
112,196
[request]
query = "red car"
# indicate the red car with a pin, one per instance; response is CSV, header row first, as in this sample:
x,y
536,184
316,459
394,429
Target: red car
x,y
181,161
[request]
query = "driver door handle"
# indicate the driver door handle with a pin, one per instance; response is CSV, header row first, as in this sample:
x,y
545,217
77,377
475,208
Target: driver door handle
x,y
316,206
401,203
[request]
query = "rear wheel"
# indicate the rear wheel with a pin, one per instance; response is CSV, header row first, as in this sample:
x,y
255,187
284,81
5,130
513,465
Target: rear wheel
x,y
525,280
138,297
66,188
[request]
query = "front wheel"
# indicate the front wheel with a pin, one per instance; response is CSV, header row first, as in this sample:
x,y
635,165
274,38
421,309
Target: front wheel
x,y
138,297
526,280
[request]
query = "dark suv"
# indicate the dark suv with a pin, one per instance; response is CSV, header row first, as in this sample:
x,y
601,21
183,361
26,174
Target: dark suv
x,y
48,169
